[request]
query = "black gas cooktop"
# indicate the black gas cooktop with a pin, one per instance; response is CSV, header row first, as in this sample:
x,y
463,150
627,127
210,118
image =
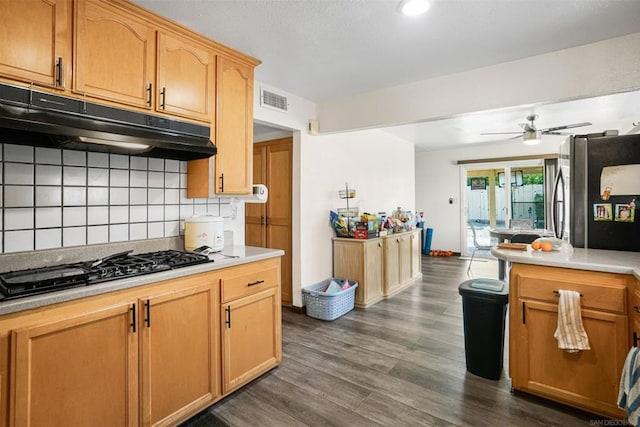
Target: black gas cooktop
x,y
21,283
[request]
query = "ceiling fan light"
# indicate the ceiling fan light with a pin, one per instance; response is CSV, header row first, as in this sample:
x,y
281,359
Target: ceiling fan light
x,y
414,7
531,138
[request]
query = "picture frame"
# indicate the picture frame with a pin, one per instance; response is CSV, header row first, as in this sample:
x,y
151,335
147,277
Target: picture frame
x,y
624,213
478,183
602,212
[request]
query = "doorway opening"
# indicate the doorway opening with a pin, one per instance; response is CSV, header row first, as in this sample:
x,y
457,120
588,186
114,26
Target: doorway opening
x,y
491,200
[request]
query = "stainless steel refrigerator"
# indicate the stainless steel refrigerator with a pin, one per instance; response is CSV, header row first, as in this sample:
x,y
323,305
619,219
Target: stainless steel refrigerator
x,y
597,192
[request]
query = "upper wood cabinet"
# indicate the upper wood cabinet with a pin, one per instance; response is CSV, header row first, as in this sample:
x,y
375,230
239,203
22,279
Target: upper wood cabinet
x,y
186,78
114,54
234,133
36,41
229,171
124,58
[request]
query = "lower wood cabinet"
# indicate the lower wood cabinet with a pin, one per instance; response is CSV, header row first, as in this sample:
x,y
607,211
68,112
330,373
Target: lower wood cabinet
x,y
360,260
381,266
80,369
151,355
587,379
251,319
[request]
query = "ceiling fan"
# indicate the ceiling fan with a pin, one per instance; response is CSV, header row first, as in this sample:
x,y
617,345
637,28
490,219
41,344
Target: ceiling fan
x,y
532,135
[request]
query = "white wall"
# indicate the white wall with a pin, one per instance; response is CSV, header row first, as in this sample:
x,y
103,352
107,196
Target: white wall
x,y
438,179
378,165
595,69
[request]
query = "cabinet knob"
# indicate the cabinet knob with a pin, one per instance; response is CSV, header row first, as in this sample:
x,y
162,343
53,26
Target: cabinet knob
x,y
636,309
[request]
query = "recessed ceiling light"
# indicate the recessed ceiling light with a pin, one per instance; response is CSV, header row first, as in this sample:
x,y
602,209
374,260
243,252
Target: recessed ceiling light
x,y
414,7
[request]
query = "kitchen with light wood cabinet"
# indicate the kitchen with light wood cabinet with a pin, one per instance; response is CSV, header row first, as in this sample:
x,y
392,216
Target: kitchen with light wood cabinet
x,y
36,42
161,350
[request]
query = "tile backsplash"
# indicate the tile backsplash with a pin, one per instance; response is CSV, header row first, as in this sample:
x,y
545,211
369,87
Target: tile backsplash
x,y
53,198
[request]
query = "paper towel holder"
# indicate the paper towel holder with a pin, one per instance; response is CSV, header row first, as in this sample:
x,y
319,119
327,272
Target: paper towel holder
x,y
259,194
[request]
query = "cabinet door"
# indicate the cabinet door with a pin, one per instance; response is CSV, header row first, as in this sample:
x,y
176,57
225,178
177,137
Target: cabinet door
x,y
251,337
406,259
588,379
391,265
178,351
186,80
79,371
255,213
114,54
234,127
36,37
373,271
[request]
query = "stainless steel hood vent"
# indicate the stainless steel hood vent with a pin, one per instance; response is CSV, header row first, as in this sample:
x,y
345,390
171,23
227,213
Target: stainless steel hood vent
x,y
30,117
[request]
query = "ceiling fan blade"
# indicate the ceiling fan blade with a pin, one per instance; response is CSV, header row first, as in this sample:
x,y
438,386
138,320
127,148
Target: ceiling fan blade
x,y
575,125
500,133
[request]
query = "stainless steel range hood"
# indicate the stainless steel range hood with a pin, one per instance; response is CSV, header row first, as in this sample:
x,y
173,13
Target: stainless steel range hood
x,y
31,117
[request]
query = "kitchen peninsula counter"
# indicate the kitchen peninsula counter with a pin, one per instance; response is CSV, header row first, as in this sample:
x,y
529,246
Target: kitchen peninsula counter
x,y
577,258
230,256
609,286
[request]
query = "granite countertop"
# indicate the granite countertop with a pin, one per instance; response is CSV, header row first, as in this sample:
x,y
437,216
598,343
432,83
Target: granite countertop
x,y
228,257
575,258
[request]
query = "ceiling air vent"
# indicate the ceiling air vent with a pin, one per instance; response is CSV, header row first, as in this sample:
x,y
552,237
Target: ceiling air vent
x,y
273,100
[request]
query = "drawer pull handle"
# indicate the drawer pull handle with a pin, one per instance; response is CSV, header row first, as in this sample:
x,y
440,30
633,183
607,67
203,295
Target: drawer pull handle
x,y
636,308
558,293
257,282
228,321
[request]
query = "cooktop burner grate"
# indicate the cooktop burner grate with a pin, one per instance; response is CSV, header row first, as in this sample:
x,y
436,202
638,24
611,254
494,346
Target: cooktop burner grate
x,y
119,266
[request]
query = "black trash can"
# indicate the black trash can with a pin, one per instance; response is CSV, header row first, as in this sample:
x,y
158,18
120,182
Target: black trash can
x,y
484,308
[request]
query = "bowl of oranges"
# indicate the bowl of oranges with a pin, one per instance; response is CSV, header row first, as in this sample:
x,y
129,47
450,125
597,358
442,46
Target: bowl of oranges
x,y
548,244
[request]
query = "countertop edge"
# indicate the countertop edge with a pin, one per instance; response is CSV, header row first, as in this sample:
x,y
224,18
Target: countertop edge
x,y
250,254
577,259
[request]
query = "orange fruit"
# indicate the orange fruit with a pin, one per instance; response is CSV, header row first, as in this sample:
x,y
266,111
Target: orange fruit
x,y
535,246
546,246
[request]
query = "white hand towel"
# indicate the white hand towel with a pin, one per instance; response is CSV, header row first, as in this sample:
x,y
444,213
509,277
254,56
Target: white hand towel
x,y
629,395
570,333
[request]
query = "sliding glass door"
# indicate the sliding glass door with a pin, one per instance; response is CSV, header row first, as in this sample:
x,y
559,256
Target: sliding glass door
x,y
491,199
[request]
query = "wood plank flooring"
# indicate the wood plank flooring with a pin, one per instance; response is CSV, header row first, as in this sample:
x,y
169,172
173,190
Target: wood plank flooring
x,y
400,362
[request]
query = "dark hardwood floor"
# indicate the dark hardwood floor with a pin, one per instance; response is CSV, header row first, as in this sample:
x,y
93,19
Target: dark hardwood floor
x,y
400,362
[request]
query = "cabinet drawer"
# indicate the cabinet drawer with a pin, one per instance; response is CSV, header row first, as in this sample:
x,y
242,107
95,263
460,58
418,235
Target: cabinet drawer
x,y
599,296
248,282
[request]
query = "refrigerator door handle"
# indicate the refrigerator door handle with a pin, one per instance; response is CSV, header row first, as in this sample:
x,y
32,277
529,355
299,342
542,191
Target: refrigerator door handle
x,y
558,206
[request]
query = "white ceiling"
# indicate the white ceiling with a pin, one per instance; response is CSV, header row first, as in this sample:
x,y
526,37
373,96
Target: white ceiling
x,y
323,49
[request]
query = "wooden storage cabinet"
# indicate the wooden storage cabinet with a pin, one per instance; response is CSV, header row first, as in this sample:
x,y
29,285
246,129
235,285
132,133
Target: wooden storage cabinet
x,y
179,333
114,54
400,264
36,41
360,260
117,54
229,171
251,322
382,266
586,379
234,133
59,370
147,355
186,78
